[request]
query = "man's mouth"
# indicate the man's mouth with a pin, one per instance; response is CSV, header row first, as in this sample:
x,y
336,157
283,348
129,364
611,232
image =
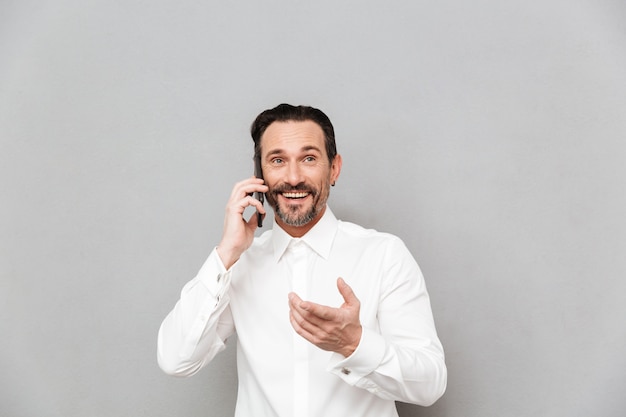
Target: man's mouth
x,y
295,195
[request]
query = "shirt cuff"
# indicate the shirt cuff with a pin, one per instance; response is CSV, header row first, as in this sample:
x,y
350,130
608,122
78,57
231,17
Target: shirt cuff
x,y
214,276
214,281
363,361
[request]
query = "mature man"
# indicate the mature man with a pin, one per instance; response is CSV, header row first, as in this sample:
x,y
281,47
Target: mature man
x,y
331,319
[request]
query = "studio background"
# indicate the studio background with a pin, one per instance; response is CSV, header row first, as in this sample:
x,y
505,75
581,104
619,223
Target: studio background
x,y
488,135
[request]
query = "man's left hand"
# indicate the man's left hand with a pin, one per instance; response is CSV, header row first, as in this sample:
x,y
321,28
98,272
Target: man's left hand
x,y
333,329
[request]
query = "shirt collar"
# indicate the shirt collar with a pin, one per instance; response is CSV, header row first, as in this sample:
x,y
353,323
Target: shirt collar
x,y
319,238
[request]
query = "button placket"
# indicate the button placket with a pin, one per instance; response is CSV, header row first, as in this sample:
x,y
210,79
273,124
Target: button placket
x,y
297,261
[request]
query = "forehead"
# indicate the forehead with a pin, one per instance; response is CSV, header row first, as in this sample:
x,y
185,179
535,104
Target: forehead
x,y
292,136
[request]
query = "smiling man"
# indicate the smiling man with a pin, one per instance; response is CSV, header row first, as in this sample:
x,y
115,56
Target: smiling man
x,y
298,172
332,319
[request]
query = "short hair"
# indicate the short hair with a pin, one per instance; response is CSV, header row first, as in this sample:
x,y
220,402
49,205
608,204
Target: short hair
x,y
287,112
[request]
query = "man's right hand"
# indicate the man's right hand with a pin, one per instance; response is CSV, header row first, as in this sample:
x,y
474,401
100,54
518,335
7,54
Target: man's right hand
x,y
238,232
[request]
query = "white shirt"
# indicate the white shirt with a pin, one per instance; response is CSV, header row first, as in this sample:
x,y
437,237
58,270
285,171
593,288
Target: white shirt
x,y
399,356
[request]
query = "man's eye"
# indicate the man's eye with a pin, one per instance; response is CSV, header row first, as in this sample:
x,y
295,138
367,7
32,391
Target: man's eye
x,y
309,159
277,161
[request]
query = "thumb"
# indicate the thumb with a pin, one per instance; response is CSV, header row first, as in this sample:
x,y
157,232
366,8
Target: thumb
x,y
346,292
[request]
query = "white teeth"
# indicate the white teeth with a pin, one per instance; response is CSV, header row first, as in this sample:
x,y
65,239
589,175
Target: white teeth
x,y
295,195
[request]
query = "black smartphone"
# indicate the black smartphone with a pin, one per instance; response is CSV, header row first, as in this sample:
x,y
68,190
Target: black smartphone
x,y
258,172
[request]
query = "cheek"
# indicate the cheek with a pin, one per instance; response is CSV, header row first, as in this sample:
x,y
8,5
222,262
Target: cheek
x,y
271,181
323,189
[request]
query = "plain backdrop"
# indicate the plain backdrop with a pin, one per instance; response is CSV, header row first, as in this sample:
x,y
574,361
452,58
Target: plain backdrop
x,y
489,135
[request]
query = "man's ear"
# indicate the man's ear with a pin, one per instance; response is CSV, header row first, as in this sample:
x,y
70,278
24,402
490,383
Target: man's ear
x,y
335,169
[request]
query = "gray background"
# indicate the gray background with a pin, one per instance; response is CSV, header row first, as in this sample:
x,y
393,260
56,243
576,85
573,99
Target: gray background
x,y
489,135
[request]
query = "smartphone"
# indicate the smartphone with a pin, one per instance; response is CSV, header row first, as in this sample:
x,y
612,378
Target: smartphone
x,y
258,172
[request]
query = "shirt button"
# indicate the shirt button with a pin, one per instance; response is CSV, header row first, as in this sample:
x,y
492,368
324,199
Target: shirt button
x,y
345,371
219,277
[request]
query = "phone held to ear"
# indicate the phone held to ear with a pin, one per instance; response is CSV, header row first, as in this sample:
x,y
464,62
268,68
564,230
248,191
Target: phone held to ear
x,y
258,172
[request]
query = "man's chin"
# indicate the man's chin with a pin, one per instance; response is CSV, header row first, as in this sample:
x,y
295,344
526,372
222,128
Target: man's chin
x,y
293,216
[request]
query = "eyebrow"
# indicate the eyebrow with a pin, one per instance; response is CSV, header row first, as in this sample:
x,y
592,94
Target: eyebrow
x,y
303,149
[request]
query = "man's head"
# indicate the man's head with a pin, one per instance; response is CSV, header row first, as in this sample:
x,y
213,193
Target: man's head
x,y
299,160
287,112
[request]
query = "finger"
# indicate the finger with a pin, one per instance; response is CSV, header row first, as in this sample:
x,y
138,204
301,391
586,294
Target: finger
x,y
252,222
346,292
296,305
249,191
318,313
307,311
240,205
302,327
256,204
293,299
248,186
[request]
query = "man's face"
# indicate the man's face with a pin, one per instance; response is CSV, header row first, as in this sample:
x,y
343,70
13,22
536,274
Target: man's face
x,y
298,173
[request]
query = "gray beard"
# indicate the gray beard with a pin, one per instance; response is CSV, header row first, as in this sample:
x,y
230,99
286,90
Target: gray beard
x,y
293,219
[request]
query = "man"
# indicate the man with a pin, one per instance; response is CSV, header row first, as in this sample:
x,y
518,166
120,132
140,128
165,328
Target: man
x,y
331,319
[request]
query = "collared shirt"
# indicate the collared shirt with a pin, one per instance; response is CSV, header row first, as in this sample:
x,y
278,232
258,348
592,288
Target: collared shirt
x,y
281,374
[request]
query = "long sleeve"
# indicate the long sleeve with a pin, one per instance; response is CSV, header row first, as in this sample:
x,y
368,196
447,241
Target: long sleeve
x,y
196,329
400,356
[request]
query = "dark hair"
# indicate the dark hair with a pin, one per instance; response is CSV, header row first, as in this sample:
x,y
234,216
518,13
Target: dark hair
x,y
287,112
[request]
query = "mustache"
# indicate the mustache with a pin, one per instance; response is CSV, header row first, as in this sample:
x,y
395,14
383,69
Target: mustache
x,y
285,188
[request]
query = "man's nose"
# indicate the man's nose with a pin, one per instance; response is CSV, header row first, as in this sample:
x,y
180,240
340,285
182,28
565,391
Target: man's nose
x,y
294,174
